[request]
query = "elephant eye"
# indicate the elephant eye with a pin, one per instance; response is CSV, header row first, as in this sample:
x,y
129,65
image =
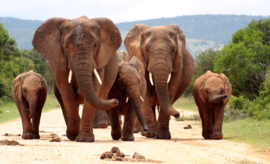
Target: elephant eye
x,y
146,49
173,50
24,90
95,45
222,90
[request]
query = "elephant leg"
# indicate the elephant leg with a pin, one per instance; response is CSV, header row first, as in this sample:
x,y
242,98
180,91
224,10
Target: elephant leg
x,y
137,126
70,105
149,114
128,124
163,125
110,72
36,120
101,119
26,122
115,123
208,124
202,120
86,129
218,120
59,98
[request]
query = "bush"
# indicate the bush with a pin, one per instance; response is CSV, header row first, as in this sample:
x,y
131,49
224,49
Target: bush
x,y
235,108
245,60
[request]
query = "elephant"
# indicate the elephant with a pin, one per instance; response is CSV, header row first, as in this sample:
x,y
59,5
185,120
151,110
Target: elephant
x,y
169,68
83,59
29,91
211,92
129,88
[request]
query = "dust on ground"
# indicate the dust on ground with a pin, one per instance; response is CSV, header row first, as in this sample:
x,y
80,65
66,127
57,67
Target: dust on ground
x,y
186,145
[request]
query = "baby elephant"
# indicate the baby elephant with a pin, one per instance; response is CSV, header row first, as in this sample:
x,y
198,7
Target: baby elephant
x,y
211,92
129,89
29,92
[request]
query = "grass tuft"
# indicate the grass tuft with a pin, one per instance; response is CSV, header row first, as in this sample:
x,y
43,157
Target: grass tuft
x,y
250,131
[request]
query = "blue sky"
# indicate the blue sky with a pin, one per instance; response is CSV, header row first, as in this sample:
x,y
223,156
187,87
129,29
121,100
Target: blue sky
x,y
129,10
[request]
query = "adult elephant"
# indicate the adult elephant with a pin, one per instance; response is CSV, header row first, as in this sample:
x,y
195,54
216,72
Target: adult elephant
x,y
78,50
169,69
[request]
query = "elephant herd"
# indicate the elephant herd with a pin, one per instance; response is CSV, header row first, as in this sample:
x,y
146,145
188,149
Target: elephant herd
x,y
87,69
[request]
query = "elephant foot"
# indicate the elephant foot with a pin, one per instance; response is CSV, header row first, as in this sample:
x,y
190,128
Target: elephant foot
x,y
101,123
163,135
85,137
36,136
28,135
116,135
128,138
150,133
102,126
218,136
136,129
71,136
208,136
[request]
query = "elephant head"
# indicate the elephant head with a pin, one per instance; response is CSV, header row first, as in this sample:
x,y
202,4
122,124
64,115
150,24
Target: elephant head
x,y
214,88
161,50
132,83
28,88
81,46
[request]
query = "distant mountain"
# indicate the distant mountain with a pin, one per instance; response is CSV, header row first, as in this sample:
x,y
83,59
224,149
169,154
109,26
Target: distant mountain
x,y
202,31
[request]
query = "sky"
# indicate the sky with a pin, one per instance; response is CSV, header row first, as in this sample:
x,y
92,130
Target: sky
x,y
128,10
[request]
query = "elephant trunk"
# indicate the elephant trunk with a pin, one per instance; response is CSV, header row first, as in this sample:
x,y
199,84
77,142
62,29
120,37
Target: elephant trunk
x,y
84,75
217,98
161,75
138,110
32,107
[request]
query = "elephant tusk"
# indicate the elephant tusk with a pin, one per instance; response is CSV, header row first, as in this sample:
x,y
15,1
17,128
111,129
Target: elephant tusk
x,y
69,76
151,79
127,100
97,76
142,99
169,78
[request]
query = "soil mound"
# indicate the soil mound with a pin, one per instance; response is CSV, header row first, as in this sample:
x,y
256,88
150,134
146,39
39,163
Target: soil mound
x,y
116,155
11,143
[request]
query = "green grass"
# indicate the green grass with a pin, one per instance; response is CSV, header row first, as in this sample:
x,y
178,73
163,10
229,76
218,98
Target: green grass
x,y
10,111
249,131
186,103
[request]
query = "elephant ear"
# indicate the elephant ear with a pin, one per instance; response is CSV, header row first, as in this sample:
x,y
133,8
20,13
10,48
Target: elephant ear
x,y
228,87
110,41
198,86
134,61
181,48
133,42
47,40
17,86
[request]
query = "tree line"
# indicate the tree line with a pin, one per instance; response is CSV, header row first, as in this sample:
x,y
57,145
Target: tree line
x,y
14,61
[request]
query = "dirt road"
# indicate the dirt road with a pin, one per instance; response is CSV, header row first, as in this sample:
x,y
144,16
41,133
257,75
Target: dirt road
x,y
186,146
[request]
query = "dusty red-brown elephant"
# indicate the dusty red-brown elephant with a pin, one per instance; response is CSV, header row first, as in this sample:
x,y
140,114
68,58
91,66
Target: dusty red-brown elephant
x,y
211,92
129,88
169,68
29,92
82,56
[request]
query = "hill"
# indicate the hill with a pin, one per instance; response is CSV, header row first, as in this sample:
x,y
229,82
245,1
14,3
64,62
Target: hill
x,y
202,31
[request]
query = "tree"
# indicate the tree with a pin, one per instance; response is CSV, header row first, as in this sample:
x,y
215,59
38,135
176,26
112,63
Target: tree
x,y
204,61
245,60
